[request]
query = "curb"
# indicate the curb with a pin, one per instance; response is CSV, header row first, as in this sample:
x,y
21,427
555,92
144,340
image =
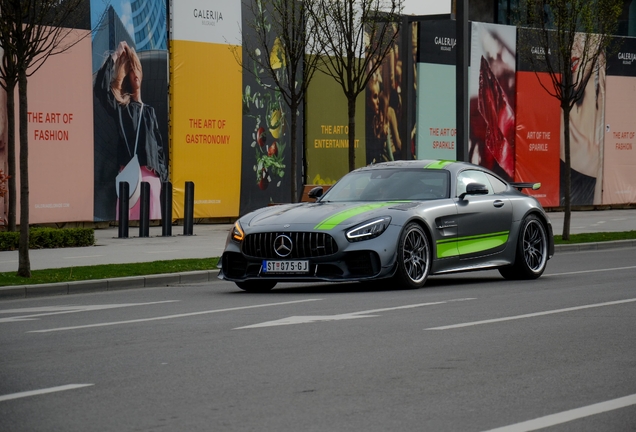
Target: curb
x,y
170,279
584,247
150,281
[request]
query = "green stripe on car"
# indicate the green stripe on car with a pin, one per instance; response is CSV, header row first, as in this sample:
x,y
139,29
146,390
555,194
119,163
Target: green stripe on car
x,y
466,245
338,218
438,164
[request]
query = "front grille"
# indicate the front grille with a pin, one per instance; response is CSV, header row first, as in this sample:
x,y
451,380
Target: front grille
x,y
304,245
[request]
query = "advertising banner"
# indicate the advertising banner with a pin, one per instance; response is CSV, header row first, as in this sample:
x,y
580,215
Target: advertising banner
x,y
266,174
436,83
492,90
587,131
619,156
327,129
130,103
386,139
538,134
205,101
60,134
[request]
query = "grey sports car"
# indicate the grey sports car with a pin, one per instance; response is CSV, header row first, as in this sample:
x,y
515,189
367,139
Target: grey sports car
x,y
401,220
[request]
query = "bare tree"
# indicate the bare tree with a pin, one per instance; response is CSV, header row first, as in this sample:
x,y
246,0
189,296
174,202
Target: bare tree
x,y
576,34
30,32
354,37
8,82
276,42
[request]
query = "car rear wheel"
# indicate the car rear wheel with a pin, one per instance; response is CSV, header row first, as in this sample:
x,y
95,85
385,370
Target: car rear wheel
x,y
532,251
414,257
256,286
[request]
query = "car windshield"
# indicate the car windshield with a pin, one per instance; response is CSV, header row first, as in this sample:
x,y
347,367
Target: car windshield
x,y
390,184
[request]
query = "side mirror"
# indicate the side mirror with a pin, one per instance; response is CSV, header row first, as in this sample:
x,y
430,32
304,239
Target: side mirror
x,y
315,193
474,189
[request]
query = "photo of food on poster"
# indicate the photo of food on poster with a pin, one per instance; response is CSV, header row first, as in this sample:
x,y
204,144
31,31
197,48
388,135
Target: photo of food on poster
x,y
266,153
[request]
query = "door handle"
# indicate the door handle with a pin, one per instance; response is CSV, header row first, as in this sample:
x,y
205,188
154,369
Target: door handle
x,y
498,203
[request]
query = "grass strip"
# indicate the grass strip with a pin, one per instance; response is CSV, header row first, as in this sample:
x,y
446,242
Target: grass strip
x,y
104,271
596,237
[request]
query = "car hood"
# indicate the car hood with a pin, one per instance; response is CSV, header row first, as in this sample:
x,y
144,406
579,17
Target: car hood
x,y
320,216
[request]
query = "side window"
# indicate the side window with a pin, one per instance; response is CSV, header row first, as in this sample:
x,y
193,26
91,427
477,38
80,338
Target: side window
x,y
471,176
497,185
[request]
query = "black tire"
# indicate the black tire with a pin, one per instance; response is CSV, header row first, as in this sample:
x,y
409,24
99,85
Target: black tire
x,y
532,251
256,286
414,257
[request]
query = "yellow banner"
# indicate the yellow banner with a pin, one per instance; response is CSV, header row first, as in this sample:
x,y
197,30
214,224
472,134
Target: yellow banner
x,y
206,128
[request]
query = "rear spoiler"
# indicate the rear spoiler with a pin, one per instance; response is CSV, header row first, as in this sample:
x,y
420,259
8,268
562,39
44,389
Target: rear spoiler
x,y
533,186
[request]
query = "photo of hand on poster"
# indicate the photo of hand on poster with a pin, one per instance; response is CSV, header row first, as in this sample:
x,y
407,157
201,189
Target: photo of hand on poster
x,y
140,151
586,131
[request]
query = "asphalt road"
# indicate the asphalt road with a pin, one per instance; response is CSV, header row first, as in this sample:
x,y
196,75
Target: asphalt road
x,y
470,352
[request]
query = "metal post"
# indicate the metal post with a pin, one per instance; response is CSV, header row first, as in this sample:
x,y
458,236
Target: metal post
x,y
461,76
144,210
407,87
166,209
123,209
188,217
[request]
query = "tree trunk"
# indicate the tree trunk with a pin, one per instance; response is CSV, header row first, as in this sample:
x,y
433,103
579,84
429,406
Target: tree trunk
x,y
351,111
11,210
24,264
294,151
568,177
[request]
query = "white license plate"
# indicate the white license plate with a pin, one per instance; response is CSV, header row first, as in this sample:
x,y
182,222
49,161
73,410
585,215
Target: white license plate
x,y
285,266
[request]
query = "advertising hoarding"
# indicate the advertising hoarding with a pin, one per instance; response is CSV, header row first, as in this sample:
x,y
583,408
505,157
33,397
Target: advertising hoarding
x,y
205,106
619,156
436,84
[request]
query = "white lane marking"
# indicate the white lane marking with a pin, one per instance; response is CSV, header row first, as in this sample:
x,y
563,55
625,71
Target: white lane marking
x,y
532,315
42,391
592,271
167,317
351,315
566,416
83,256
57,310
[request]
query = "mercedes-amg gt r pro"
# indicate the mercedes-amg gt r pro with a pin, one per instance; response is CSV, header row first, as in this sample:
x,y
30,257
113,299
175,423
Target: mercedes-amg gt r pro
x,y
397,220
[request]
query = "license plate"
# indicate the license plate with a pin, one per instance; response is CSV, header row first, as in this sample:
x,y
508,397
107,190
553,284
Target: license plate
x,y
285,266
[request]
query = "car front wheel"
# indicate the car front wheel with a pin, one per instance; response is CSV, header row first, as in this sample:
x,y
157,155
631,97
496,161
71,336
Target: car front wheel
x,y
414,257
532,251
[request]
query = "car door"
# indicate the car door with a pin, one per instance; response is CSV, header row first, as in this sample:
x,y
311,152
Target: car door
x,y
483,221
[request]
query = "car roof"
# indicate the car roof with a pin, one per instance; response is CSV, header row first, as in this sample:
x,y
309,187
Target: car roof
x,y
424,164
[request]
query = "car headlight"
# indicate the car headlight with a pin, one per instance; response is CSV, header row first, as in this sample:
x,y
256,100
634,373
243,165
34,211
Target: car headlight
x,y
368,230
237,232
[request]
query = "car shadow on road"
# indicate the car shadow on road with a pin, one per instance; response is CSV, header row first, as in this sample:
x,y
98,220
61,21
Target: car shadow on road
x,y
385,285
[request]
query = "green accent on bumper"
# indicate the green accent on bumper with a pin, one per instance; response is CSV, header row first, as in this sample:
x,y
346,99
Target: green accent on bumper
x,y
333,221
472,244
438,164
536,186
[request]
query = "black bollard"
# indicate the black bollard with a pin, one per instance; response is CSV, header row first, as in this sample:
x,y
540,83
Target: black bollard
x,y
123,209
166,209
188,217
144,210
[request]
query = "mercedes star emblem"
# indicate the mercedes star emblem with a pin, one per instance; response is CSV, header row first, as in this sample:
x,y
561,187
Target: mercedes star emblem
x,y
282,246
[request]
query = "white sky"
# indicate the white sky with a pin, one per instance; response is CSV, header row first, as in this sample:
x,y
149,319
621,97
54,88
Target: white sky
x,y
426,7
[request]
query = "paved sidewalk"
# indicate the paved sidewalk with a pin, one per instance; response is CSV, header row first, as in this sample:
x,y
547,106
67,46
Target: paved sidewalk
x,y
208,241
